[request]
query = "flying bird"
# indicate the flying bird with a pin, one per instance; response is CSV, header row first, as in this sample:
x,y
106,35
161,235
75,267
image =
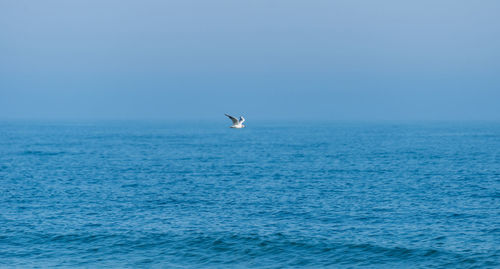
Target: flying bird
x,y
236,123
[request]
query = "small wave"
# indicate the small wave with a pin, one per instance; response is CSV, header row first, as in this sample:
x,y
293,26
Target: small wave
x,y
194,249
42,153
285,251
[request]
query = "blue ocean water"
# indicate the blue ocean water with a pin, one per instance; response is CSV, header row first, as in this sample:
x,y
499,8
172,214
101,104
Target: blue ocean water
x,y
272,195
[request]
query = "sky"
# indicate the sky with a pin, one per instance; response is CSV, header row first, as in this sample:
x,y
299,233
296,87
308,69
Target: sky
x,y
294,60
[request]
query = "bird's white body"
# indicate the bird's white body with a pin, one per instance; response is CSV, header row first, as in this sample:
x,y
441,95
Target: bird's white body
x,y
238,124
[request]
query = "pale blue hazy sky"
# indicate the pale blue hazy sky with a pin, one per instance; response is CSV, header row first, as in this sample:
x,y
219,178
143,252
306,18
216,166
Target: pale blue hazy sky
x,y
340,60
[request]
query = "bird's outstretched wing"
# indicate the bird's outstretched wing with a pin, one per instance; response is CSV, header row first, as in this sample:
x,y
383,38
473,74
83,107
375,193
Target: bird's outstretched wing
x,y
242,119
235,120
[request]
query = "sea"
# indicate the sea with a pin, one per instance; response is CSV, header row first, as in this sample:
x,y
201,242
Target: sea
x,y
169,194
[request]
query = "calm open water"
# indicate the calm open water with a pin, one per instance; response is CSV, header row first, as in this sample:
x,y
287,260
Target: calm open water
x,y
198,195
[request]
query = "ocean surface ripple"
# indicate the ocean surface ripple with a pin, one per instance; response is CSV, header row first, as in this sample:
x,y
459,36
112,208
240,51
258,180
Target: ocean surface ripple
x,y
293,195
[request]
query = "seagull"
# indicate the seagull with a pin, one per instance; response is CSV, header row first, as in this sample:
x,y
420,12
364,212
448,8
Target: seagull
x,y
236,123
